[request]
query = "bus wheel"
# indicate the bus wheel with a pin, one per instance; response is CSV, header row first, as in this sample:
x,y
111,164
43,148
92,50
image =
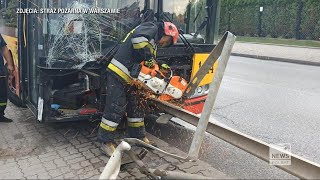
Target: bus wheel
x,y
11,87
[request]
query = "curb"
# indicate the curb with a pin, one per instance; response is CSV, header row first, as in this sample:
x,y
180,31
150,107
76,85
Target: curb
x,y
283,45
267,58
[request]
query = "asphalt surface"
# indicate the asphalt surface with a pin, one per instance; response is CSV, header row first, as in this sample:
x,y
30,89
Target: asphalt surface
x,y
276,102
273,101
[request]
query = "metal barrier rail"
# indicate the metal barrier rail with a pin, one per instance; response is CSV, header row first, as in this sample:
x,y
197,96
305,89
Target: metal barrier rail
x,y
300,167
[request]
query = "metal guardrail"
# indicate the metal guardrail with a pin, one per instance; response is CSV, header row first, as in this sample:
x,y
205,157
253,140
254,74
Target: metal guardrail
x,y
300,167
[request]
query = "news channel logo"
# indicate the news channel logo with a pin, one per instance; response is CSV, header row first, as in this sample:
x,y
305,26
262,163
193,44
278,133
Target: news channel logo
x,y
279,154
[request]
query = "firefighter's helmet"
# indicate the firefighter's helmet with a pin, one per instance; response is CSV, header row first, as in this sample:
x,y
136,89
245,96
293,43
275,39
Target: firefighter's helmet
x,y
171,30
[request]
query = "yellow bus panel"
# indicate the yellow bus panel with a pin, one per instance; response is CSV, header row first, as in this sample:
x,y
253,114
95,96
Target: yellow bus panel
x,y
198,60
12,44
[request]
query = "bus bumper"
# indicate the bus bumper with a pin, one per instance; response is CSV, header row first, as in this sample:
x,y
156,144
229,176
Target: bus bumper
x,y
195,105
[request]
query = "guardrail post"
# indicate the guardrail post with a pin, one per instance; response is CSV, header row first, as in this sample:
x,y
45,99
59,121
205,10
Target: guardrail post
x,y
213,91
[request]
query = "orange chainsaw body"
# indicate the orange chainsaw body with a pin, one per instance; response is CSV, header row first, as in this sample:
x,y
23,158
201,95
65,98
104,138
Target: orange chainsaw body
x,y
166,90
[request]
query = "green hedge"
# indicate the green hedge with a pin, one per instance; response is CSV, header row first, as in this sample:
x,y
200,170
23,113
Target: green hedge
x,y
279,19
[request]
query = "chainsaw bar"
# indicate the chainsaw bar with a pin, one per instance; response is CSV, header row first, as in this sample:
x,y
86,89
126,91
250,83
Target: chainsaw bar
x,y
207,65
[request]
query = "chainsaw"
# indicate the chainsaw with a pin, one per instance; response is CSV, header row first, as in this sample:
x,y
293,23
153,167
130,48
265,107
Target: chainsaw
x,y
164,84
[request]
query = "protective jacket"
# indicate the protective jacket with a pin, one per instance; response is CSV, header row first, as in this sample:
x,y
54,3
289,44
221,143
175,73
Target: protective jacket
x,y
122,98
137,46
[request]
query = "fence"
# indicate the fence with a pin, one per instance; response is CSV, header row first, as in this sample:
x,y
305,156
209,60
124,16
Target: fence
x,y
289,19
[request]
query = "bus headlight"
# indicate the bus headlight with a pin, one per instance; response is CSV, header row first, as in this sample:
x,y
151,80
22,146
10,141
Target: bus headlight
x,y
201,91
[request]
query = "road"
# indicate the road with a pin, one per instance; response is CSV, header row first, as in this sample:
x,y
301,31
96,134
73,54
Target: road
x,y
272,101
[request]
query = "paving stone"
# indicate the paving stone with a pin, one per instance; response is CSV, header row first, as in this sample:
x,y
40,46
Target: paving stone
x,y
105,159
85,148
60,138
124,174
9,164
65,170
32,170
62,146
76,166
63,152
44,175
69,175
50,165
75,160
101,169
55,173
46,159
85,170
96,151
137,174
32,177
74,141
95,160
60,162
72,156
83,140
88,154
58,177
72,150
85,163
24,163
22,158
95,176
84,145
34,160
89,174
4,171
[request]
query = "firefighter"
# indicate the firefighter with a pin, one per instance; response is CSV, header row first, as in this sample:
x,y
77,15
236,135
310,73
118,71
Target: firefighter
x,y
3,85
139,45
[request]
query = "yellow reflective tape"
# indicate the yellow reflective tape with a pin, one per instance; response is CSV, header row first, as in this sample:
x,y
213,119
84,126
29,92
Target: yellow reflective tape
x,y
152,49
106,127
119,72
124,40
136,124
3,104
140,45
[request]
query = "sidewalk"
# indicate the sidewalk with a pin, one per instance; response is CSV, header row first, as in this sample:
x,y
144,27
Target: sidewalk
x,y
33,150
292,54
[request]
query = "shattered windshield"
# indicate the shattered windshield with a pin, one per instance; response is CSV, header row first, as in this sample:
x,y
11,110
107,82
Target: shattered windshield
x,y
75,39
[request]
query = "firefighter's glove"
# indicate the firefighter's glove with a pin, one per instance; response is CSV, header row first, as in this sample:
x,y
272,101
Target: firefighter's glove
x,y
165,69
150,63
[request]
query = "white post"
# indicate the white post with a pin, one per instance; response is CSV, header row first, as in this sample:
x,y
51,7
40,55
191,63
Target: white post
x,y
112,169
213,91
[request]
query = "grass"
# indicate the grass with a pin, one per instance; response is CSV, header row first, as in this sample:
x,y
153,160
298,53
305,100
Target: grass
x,y
292,42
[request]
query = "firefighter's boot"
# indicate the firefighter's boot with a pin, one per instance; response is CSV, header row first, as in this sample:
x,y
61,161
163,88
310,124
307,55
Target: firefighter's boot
x,y
108,148
147,141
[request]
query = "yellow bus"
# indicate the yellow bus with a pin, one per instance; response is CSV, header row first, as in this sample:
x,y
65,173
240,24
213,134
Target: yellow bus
x,y
47,46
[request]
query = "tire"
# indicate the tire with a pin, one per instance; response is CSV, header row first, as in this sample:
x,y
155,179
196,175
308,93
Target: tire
x,y
12,96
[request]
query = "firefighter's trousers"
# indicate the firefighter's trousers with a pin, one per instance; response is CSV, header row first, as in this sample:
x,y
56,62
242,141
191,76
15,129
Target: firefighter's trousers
x,y
121,100
3,92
